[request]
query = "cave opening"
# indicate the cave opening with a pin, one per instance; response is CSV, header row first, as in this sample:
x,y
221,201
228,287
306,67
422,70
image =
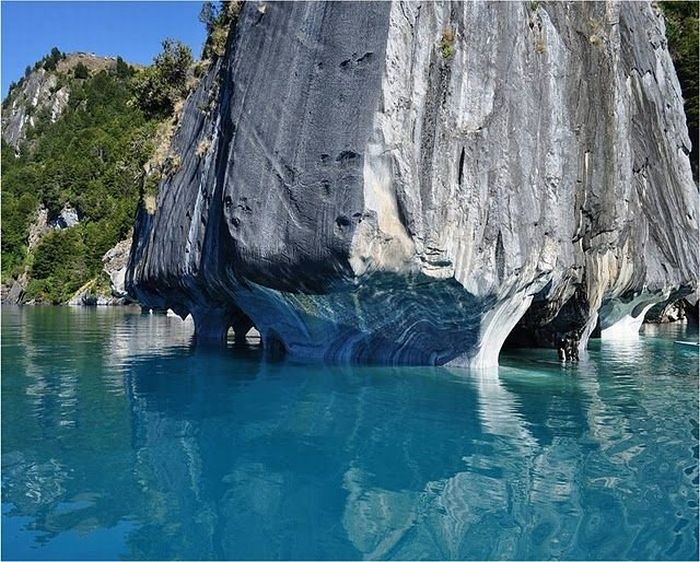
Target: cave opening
x,y
673,310
221,326
245,335
273,346
550,321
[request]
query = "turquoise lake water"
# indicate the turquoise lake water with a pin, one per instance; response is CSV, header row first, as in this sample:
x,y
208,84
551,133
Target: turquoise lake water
x,y
120,441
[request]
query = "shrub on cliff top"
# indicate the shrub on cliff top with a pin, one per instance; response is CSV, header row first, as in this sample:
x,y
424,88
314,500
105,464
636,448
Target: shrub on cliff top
x,y
158,87
50,61
218,20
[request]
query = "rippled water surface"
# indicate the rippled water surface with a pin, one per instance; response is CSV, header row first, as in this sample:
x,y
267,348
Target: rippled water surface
x,y
121,441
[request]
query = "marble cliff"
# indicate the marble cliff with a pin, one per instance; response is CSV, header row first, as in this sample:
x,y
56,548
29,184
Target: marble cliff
x,y
411,182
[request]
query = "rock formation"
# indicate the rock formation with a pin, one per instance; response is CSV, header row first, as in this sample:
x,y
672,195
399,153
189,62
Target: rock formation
x,y
67,218
115,262
404,182
39,227
12,292
39,92
674,309
93,293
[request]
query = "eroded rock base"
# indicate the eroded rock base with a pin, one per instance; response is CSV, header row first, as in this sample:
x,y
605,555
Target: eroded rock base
x,y
420,321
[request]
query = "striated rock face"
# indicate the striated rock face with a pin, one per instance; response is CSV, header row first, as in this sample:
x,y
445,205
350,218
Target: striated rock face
x,y
406,182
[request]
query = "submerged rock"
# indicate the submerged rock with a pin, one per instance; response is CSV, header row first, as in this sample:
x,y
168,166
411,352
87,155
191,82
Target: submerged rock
x,y
403,182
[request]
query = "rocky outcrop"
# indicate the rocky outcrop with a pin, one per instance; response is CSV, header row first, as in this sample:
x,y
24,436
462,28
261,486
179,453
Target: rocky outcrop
x,y
679,307
39,95
67,218
668,312
115,262
96,292
404,182
38,228
12,292
91,295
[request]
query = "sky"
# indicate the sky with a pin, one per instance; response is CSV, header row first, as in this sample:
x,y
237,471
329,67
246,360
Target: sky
x,y
132,30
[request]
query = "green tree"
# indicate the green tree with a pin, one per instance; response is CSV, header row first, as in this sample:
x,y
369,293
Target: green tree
x,y
158,87
59,267
218,21
208,15
122,69
81,71
173,63
51,61
152,94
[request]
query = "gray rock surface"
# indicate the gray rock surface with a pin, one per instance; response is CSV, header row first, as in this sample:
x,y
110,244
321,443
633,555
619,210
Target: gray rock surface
x,y
94,293
404,182
115,262
67,218
38,93
677,308
39,227
671,312
13,291
89,298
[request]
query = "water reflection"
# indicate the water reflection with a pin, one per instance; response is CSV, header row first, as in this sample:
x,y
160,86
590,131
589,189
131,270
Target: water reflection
x,y
115,427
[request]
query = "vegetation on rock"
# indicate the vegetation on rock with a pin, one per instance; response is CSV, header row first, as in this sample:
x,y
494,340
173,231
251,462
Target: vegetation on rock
x,y
447,44
81,71
218,20
682,33
159,86
48,63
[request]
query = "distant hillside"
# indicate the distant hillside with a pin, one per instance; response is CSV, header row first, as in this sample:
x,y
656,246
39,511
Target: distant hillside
x,y
77,133
43,92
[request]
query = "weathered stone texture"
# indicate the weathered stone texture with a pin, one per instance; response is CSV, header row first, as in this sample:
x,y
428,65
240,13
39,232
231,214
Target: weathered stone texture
x,y
402,182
